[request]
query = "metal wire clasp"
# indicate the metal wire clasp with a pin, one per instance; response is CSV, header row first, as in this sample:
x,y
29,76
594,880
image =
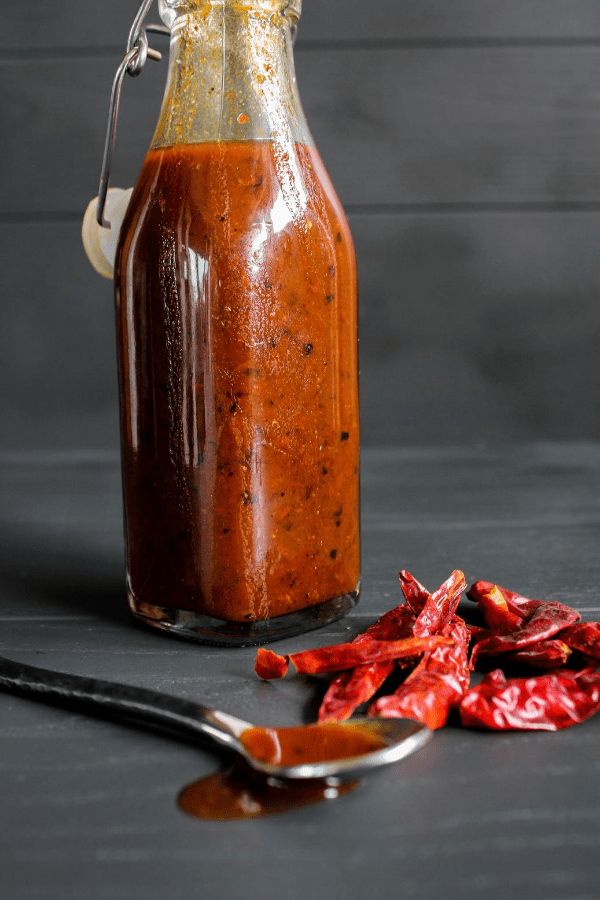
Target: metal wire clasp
x,y
136,54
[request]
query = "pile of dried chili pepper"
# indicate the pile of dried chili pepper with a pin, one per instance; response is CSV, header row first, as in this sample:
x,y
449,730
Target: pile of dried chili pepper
x,y
431,651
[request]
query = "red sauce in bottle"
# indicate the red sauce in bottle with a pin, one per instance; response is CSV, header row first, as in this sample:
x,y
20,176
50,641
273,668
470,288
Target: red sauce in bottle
x,y
236,320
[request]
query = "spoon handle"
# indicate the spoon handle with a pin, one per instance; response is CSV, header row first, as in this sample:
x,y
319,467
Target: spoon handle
x,y
116,701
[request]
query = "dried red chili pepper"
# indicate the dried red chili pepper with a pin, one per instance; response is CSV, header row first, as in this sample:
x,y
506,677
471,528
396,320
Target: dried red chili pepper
x,y
415,594
585,638
520,605
517,603
494,606
394,624
545,621
270,665
350,689
550,654
543,703
475,631
347,656
440,606
436,685
391,626
525,631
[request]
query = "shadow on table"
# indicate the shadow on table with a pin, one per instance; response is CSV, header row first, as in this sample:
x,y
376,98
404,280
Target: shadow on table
x,y
44,572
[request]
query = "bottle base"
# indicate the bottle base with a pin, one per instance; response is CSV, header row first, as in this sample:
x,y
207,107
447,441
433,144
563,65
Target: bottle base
x,y
204,629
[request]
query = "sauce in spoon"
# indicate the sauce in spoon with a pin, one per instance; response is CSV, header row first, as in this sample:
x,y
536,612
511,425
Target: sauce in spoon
x,y
240,793
310,743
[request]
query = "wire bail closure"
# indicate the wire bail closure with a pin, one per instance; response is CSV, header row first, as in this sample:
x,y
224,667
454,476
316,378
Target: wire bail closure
x,y
137,53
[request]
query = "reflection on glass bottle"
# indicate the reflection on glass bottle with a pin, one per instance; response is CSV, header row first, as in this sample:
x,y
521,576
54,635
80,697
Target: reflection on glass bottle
x,y
236,314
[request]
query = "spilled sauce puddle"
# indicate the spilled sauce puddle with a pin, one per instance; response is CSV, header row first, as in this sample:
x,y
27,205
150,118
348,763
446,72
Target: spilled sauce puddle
x,y
239,793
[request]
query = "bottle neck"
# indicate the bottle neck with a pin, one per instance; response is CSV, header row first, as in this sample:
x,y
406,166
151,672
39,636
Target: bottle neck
x,y
231,78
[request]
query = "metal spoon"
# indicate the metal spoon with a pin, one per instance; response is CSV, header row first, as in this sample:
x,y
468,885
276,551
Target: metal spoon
x,y
184,717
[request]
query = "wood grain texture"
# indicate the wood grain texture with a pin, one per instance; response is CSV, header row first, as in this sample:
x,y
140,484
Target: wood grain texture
x,y
478,326
73,25
89,806
463,320
419,507
485,126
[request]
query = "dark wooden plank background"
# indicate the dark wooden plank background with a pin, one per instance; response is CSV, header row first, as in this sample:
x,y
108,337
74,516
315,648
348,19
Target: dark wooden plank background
x,y
464,139
45,25
88,807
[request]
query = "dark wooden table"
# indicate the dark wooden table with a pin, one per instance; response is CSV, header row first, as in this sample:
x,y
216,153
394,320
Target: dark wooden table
x,y
88,807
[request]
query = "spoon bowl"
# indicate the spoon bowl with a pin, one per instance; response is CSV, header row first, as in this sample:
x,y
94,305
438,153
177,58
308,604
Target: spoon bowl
x,y
402,737
391,740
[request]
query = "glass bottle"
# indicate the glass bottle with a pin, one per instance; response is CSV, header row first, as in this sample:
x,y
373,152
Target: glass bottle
x,y
236,311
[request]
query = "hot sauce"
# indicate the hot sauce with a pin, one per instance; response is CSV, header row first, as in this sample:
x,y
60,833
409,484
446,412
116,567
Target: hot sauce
x,y
236,321
241,793
310,743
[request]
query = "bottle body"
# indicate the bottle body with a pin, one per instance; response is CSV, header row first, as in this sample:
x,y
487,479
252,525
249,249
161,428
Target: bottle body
x,y
236,325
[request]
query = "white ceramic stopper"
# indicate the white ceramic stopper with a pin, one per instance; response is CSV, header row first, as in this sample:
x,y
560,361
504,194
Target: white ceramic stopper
x,y
101,243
